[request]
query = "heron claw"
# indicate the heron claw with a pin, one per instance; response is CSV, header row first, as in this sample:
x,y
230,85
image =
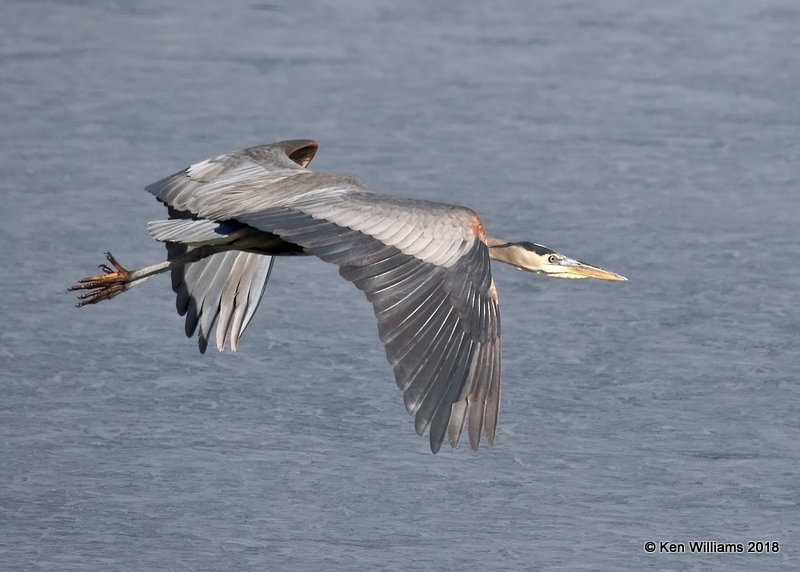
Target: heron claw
x,y
103,286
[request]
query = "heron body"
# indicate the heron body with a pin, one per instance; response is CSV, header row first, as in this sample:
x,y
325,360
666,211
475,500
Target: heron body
x,y
424,266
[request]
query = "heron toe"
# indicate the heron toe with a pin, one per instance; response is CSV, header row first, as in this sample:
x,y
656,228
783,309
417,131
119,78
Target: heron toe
x,y
103,286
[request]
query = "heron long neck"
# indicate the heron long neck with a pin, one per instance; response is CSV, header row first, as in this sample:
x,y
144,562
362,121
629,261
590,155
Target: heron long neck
x,y
500,250
510,253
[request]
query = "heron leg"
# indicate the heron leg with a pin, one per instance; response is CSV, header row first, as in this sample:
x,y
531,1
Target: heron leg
x,y
118,279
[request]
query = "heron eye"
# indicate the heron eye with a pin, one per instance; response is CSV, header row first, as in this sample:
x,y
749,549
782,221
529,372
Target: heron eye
x,y
552,259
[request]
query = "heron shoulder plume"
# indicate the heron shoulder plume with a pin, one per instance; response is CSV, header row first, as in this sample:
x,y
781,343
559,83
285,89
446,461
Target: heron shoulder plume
x,y
424,267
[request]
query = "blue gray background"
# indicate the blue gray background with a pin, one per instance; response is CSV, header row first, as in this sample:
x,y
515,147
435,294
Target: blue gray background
x,y
657,139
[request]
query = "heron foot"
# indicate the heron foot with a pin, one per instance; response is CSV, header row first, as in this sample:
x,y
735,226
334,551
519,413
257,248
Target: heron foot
x,y
103,286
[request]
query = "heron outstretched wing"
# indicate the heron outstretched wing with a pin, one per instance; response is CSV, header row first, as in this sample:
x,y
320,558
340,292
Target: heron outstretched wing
x,y
437,312
424,267
224,289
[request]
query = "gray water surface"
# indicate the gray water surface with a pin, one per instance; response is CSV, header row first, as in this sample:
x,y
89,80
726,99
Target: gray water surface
x,y
657,139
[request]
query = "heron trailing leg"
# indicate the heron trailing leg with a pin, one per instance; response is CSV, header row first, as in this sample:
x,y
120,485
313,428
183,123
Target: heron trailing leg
x,y
119,279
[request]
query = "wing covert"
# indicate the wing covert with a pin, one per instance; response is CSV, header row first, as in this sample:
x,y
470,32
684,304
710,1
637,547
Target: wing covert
x,y
259,165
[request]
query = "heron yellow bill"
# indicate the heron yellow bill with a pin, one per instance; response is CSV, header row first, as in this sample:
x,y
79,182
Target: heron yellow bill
x,y
575,269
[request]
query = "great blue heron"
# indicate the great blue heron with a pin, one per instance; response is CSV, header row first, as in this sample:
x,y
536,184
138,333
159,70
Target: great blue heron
x,y
424,266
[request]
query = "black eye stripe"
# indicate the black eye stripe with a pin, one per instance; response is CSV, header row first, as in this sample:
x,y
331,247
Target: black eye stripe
x,y
537,248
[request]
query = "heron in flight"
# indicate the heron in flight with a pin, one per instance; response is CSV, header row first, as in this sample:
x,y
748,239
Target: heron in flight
x,y
424,266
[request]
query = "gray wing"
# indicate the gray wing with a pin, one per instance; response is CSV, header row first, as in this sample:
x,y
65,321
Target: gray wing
x,y
224,289
433,297
261,164
424,267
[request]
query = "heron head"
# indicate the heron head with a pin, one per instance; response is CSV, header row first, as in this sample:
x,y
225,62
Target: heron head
x,y
543,260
